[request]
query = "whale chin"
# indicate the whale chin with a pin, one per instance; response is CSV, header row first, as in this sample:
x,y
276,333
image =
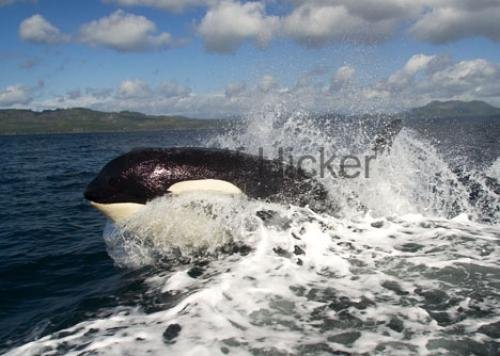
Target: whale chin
x,y
117,211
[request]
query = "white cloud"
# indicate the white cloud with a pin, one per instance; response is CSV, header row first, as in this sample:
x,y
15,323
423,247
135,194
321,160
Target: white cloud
x,y
378,10
454,20
15,95
422,78
417,62
403,77
476,78
133,89
371,10
37,29
170,5
425,78
138,89
228,24
318,23
124,32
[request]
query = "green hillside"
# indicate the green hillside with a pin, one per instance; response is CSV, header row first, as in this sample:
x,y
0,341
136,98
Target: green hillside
x,y
85,120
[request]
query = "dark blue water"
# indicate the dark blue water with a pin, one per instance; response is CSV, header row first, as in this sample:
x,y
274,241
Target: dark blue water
x,y
54,269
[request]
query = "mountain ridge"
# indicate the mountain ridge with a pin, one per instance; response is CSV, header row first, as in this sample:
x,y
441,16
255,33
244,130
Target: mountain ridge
x,y
84,120
454,108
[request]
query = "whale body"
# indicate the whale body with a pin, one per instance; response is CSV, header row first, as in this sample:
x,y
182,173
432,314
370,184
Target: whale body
x,y
131,180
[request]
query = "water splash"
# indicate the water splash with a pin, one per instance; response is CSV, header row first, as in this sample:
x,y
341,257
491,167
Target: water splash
x,y
411,177
177,229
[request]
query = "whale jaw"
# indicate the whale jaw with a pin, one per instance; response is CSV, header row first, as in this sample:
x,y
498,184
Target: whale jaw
x,y
117,211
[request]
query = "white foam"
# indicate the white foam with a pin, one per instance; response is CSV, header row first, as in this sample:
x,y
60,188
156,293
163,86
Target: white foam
x,y
265,300
494,170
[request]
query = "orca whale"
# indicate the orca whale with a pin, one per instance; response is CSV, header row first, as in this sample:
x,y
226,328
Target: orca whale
x,y
131,180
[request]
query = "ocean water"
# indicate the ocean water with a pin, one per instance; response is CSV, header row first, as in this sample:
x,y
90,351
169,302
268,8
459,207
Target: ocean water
x,y
410,264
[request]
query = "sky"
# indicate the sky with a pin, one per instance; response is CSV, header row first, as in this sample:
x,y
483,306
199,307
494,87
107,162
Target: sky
x,y
213,58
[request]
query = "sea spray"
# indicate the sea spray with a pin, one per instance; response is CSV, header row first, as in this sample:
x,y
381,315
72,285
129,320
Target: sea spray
x,y
409,177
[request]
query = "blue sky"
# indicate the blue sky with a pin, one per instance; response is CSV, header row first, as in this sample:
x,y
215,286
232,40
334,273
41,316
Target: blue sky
x,y
224,57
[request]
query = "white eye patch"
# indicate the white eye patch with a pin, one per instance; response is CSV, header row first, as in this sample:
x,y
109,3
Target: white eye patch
x,y
205,185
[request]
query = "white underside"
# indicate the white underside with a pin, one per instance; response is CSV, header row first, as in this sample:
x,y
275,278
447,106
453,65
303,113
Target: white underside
x,y
121,211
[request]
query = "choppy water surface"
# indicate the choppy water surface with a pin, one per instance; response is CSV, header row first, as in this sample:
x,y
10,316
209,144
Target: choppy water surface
x,y
408,265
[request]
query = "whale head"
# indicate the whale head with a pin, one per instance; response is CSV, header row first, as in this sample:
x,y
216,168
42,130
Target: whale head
x,y
128,182
129,178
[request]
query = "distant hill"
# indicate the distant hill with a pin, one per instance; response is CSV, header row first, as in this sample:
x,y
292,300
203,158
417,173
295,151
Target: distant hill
x,y
454,109
14,121
85,120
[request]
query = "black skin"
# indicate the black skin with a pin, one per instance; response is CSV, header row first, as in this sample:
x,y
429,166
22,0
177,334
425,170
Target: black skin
x,y
144,174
